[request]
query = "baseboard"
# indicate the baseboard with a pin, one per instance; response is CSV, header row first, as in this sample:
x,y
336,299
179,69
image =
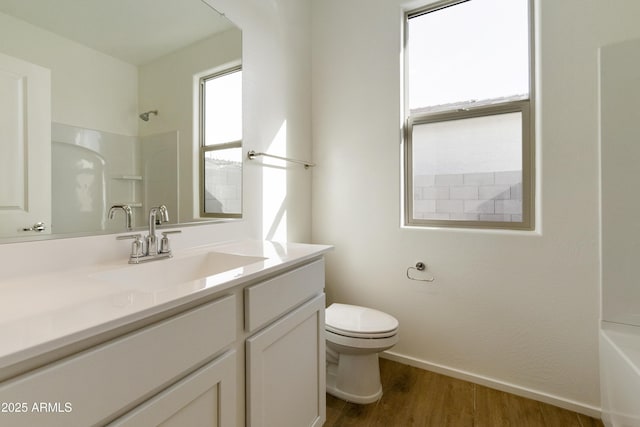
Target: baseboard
x,y
571,405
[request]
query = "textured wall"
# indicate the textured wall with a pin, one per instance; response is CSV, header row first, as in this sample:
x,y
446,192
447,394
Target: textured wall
x,y
519,309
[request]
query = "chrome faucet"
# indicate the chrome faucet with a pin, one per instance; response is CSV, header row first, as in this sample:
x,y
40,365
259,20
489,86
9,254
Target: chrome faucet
x,y
147,250
127,214
156,217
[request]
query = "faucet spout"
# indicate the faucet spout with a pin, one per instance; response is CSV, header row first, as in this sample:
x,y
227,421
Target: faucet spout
x,y
157,216
149,249
164,213
128,213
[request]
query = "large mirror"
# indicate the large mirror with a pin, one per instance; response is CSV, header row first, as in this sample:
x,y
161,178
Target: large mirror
x,y
101,106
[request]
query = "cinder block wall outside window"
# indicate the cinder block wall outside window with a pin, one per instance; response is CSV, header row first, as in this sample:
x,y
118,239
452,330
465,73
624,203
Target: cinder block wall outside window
x,y
224,180
488,196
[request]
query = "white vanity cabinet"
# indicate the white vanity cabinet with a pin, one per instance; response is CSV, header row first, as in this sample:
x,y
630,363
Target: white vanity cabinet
x,y
251,354
89,388
286,359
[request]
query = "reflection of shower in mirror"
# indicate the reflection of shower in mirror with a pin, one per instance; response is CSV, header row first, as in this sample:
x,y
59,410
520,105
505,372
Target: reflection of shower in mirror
x,y
145,116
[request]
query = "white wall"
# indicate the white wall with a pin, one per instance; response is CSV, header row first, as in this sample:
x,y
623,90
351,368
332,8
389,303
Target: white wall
x,y
276,109
276,54
89,89
517,310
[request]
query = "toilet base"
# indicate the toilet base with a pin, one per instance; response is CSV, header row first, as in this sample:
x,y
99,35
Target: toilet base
x,y
355,378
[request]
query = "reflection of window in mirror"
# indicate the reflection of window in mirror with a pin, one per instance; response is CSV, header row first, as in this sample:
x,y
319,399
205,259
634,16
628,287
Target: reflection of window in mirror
x,y
221,144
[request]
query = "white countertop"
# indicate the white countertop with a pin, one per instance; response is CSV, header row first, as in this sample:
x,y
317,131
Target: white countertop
x,y
42,313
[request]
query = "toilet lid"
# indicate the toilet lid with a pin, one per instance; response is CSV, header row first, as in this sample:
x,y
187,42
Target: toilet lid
x,y
352,320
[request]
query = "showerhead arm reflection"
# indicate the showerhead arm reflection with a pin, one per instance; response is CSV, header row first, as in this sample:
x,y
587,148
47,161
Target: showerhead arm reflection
x,y
145,116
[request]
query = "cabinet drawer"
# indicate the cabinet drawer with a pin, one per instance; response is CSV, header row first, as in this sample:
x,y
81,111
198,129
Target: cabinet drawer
x,y
205,398
91,386
272,298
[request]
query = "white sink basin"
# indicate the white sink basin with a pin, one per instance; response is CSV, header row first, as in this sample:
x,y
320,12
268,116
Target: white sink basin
x,y
172,271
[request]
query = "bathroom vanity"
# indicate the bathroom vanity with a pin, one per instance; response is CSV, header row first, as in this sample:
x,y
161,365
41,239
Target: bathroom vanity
x,y
225,335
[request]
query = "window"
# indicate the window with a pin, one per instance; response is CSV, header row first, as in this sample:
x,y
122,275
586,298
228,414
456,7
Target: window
x,y
221,144
468,133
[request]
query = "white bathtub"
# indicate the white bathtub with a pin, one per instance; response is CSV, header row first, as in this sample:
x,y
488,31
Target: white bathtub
x,y
620,374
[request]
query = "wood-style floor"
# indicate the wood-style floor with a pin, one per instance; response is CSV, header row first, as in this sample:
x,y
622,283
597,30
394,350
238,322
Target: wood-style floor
x,y
415,397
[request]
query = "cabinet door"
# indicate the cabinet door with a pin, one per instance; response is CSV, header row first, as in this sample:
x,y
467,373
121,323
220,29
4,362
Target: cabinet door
x,y
205,398
286,370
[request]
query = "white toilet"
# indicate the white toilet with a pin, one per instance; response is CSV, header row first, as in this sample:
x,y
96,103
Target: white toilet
x,y
355,335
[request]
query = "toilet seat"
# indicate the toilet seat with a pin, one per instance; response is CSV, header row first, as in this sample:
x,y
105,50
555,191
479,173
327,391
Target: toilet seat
x,y
359,322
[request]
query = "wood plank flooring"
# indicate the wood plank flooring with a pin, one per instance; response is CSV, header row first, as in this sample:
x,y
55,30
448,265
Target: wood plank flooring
x,y
415,397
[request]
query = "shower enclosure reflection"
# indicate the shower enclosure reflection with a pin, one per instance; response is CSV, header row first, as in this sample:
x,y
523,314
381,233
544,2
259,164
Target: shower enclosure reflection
x,y
94,171
123,103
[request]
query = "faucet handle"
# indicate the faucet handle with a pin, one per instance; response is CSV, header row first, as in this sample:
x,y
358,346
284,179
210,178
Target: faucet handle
x,y
165,247
136,245
129,236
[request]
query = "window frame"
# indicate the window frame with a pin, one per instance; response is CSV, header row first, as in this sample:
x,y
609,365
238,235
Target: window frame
x,y
467,110
203,149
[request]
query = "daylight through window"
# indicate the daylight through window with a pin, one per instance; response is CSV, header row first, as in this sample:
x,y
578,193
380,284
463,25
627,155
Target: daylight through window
x,y
469,143
221,144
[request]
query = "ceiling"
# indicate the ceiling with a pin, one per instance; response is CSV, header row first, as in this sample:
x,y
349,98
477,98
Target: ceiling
x,y
135,31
